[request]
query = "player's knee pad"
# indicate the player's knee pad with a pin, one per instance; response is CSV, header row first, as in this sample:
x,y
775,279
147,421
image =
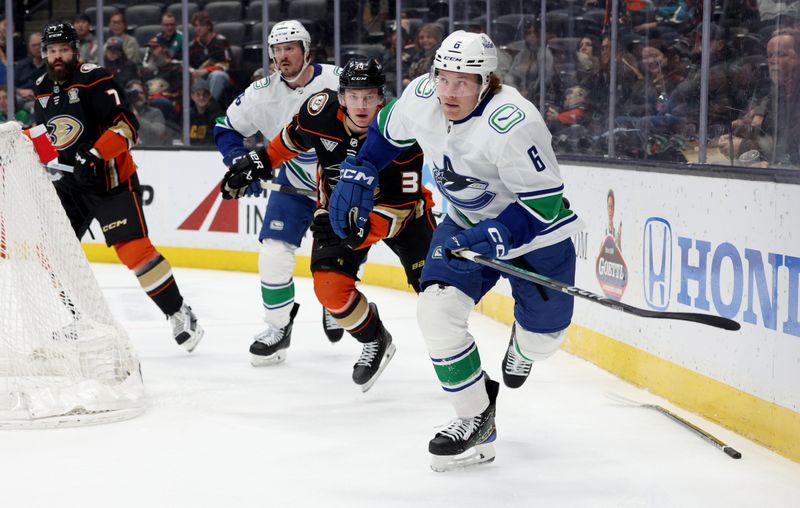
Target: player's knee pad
x,y
538,346
334,290
276,261
442,313
135,253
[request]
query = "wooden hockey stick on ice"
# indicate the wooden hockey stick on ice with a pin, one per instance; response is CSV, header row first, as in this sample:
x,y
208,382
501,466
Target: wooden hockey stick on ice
x,y
508,268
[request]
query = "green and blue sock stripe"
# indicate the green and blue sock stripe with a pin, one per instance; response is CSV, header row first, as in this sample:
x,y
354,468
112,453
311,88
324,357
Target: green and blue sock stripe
x,y
459,371
275,296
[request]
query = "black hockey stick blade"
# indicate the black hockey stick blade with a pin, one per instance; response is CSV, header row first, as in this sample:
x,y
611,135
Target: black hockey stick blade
x,y
695,317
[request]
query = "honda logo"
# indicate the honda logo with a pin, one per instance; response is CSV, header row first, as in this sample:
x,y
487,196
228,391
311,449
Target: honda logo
x,y
657,259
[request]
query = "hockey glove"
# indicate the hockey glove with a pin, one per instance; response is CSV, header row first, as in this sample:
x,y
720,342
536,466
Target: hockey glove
x,y
252,167
489,238
354,191
322,230
88,166
357,235
229,192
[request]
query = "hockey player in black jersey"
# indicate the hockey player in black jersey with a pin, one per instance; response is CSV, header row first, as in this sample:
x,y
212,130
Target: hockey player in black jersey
x,y
335,125
93,130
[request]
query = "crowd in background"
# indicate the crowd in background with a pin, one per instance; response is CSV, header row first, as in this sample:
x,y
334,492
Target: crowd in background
x,y
753,80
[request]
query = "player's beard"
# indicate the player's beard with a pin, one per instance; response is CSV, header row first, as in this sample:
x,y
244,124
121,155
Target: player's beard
x,y
64,73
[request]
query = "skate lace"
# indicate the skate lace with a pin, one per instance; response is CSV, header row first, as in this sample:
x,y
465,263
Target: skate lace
x,y
330,322
461,428
517,365
270,336
368,354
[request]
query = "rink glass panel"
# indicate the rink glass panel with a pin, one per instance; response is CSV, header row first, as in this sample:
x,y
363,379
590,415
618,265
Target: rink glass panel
x,y
667,107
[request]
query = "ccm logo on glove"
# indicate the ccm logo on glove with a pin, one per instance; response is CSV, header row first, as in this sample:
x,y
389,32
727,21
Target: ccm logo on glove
x,y
352,174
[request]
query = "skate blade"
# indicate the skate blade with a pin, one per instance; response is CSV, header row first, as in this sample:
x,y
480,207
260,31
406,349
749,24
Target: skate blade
x,y
192,342
387,357
479,454
266,361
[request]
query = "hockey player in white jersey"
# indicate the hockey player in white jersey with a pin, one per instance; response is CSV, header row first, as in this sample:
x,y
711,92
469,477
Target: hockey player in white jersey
x,y
266,106
491,157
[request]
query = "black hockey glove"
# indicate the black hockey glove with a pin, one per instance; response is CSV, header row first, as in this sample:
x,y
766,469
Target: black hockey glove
x,y
250,168
356,235
88,167
322,230
229,192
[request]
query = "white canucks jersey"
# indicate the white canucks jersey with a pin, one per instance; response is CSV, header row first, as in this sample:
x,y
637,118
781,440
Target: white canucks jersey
x,y
500,154
268,104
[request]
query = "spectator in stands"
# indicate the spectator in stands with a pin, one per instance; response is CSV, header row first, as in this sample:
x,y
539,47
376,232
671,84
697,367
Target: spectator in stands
x,y
170,37
525,66
117,28
19,44
771,127
205,111
152,128
651,96
209,55
20,115
389,58
87,44
158,63
588,63
28,70
117,63
428,39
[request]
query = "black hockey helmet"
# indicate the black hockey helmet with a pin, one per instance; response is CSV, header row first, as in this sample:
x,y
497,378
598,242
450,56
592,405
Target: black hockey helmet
x,y
362,72
58,32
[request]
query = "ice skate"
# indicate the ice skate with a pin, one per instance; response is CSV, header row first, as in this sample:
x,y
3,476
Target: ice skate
x,y
269,346
466,442
333,330
515,367
375,356
185,329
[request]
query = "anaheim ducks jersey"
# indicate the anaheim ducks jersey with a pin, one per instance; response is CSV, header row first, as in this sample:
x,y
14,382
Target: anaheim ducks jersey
x,y
320,125
266,106
498,155
88,109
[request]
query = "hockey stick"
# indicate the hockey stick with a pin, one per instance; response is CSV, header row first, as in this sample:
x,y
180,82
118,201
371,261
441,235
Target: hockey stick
x,y
288,189
502,266
719,444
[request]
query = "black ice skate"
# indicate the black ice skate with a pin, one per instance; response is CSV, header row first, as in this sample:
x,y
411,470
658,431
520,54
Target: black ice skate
x,y
515,367
466,441
185,329
269,346
375,356
333,330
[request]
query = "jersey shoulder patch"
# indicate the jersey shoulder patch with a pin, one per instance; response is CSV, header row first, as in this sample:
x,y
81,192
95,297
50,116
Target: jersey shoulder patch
x,y
424,88
505,117
88,67
261,83
317,102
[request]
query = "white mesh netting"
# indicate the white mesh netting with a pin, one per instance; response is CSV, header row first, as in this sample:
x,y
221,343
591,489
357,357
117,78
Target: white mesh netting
x,y
64,360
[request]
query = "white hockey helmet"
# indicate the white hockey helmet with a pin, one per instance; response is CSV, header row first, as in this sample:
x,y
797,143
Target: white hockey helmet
x,y
289,31
467,52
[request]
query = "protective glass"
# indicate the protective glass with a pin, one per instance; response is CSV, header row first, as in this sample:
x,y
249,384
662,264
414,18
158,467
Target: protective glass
x,y
456,84
367,98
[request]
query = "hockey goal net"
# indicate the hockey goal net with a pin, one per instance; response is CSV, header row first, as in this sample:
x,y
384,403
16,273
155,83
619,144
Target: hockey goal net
x,y
64,360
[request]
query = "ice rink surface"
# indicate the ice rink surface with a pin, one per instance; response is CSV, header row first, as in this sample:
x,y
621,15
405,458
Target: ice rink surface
x,y
220,433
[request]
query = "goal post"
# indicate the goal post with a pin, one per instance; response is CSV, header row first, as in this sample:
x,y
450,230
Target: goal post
x,y
64,360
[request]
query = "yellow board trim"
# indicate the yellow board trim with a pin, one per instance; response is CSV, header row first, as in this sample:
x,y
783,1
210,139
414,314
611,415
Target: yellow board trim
x,y
769,424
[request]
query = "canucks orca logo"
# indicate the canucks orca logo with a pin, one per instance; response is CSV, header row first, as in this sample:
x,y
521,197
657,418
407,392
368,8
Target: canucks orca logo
x,y
472,191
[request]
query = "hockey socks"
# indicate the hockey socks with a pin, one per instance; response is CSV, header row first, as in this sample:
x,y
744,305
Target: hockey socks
x,y
155,277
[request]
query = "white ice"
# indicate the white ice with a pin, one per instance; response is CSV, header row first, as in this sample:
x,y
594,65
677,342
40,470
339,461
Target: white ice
x,y
220,433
